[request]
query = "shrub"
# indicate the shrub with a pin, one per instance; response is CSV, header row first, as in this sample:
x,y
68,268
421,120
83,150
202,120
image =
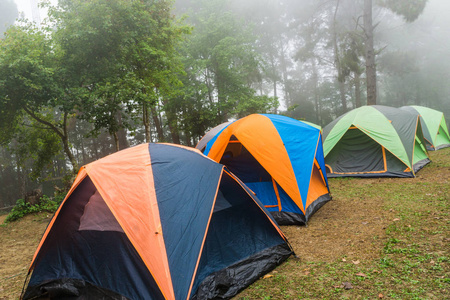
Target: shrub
x,y
23,208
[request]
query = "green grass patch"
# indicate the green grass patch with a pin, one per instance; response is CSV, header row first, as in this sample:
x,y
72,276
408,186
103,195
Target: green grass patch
x,y
412,260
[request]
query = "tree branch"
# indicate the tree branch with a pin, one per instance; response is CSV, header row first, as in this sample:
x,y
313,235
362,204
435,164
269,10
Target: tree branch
x,y
38,127
50,125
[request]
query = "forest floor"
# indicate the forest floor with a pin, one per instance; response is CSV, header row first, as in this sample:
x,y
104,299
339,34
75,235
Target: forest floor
x,y
385,238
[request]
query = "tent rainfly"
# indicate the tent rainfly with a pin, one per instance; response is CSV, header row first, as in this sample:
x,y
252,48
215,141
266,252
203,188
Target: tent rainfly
x,y
278,158
155,221
434,127
375,141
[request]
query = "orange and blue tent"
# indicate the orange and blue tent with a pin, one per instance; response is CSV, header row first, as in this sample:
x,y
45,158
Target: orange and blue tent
x,y
155,221
278,158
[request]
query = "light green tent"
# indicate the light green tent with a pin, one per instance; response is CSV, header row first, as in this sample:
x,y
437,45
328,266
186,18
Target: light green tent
x,y
434,127
374,141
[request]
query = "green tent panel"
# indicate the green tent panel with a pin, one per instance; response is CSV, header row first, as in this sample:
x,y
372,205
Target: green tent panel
x,y
374,141
433,125
442,137
420,152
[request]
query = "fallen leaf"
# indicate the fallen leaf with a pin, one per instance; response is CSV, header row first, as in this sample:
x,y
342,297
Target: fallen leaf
x,y
307,273
344,259
365,223
347,285
355,262
432,262
267,276
361,274
396,219
380,295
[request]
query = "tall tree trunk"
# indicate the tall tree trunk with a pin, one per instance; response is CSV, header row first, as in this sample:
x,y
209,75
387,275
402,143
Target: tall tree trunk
x,y
116,141
371,73
69,154
95,148
337,62
287,96
188,139
208,85
273,76
357,89
122,133
65,140
174,131
342,96
275,89
172,122
83,151
157,122
146,122
222,109
21,179
316,91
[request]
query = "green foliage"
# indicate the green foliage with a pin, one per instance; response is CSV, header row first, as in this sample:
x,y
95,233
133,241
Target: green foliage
x,y
32,85
222,59
123,53
27,70
408,9
37,146
256,104
352,48
23,208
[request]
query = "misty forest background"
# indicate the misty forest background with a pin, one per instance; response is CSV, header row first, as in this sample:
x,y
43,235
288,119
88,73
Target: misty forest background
x,y
102,75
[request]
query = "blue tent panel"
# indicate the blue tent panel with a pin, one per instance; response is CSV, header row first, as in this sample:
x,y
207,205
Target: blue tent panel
x,y
184,208
301,151
238,229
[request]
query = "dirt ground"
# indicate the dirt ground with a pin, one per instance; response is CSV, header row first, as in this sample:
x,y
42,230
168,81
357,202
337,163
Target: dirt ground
x,y
353,224
18,241
335,232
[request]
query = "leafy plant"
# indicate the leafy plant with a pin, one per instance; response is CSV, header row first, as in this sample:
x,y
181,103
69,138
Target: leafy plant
x,y
23,208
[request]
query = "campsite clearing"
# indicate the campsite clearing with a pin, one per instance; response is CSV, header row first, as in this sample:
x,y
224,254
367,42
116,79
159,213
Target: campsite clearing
x,y
382,238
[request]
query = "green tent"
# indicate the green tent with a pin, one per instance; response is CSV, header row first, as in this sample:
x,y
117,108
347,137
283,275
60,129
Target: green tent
x,y
434,127
374,141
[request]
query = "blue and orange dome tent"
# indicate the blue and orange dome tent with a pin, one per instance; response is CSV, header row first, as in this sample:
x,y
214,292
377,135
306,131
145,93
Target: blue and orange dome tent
x,y
278,158
155,221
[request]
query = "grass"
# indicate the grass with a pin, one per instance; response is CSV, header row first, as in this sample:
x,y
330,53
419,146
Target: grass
x,y
377,239
408,259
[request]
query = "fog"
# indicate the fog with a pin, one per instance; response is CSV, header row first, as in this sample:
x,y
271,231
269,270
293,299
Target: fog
x,y
295,38
411,57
